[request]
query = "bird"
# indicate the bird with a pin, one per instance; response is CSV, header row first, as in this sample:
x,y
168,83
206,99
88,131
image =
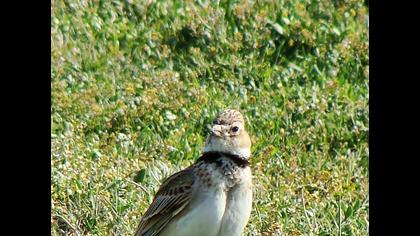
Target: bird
x,y
211,197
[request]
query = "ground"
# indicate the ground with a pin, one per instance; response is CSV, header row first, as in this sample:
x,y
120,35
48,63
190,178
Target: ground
x,y
135,83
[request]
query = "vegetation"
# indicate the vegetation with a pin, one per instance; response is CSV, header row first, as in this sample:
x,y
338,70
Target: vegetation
x,y
134,84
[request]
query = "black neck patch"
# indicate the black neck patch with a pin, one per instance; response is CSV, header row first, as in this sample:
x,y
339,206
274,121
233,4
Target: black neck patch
x,y
213,157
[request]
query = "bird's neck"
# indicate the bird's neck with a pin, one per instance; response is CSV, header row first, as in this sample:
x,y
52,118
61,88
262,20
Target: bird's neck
x,y
220,145
214,157
242,152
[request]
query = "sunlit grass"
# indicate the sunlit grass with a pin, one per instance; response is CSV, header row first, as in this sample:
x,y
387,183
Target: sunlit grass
x,y
134,84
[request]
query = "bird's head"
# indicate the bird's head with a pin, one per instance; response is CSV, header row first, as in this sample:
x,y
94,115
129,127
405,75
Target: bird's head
x,y
228,134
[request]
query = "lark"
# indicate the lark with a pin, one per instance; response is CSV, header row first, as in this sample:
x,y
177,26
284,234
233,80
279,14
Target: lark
x,y
213,196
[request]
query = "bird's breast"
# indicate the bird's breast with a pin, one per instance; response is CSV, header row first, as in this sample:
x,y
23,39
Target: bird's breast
x,y
221,202
203,216
238,206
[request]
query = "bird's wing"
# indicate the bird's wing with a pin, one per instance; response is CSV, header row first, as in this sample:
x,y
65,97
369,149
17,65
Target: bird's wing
x,y
172,197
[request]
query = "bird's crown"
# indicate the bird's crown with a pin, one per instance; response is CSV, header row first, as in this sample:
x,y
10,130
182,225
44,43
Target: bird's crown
x,y
229,116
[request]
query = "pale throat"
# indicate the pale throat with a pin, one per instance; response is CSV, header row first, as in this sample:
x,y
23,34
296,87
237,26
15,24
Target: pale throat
x,y
220,145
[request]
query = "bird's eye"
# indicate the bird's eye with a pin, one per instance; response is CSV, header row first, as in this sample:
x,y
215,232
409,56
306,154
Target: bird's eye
x,y
235,128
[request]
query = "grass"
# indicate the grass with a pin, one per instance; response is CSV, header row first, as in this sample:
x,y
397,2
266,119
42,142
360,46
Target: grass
x,y
134,84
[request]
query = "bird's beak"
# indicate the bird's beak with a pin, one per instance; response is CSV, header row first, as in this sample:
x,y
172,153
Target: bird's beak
x,y
217,130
